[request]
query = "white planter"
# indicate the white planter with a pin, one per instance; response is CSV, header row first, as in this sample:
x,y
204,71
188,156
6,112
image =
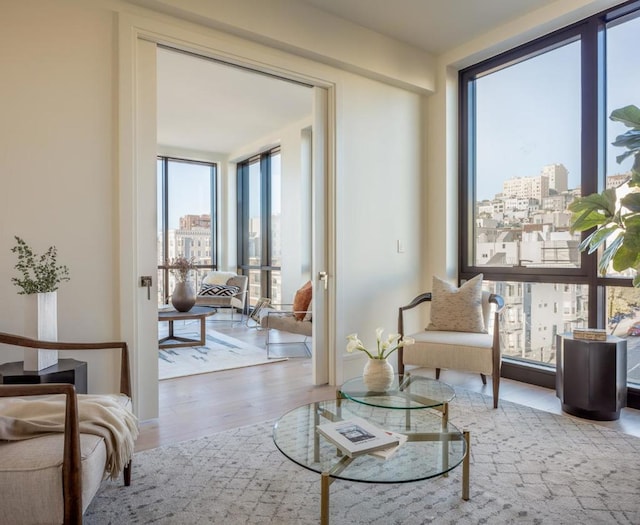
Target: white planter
x,y
36,359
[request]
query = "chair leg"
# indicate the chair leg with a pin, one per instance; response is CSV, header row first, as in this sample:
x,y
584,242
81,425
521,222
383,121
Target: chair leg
x,y
496,388
127,474
437,373
484,379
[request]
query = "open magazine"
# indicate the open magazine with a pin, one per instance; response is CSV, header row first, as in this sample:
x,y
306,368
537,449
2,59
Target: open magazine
x,y
356,436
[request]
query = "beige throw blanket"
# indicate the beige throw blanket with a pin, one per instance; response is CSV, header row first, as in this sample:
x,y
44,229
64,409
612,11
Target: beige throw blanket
x,y
102,415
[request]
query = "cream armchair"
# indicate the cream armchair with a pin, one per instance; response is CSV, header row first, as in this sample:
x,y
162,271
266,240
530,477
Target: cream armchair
x,y
53,476
472,351
224,290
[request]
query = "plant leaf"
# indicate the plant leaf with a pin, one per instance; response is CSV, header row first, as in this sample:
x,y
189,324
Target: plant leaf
x,y
628,115
631,201
608,254
601,235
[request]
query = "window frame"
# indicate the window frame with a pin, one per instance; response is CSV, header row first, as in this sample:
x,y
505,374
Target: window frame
x,y
164,268
592,35
265,267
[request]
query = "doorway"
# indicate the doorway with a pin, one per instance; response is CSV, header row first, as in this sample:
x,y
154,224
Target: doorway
x,y
138,151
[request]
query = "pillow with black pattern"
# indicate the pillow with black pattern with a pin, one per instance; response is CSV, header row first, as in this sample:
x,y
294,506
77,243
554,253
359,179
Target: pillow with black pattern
x,y
218,290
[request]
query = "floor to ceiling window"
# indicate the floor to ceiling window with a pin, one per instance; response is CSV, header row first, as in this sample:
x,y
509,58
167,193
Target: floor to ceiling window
x,y
187,221
535,134
259,213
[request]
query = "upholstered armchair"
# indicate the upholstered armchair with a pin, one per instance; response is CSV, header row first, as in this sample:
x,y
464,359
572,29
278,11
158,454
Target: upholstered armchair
x,y
457,337
224,290
55,450
294,318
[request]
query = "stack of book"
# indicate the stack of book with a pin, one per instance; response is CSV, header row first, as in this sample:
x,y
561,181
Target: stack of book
x,y
590,334
357,436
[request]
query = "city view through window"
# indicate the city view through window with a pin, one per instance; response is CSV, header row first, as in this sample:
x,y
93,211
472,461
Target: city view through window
x,y
186,199
525,169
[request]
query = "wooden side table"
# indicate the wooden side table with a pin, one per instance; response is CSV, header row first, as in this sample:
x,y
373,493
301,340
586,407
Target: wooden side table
x,y
65,371
591,376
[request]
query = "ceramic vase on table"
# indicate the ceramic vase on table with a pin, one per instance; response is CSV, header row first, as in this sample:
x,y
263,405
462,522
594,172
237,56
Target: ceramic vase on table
x,y
378,375
183,297
36,359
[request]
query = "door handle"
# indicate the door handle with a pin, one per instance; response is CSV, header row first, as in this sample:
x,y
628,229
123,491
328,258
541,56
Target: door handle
x,y
146,280
324,277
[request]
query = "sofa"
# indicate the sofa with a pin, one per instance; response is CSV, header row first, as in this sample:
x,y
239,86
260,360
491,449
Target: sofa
x,y
223,290
57,446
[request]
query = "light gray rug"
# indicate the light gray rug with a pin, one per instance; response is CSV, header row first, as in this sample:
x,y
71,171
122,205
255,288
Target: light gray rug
x,y
527,467
221,352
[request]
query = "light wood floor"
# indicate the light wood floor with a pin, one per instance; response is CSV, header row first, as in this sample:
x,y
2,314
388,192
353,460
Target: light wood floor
x,y
196,406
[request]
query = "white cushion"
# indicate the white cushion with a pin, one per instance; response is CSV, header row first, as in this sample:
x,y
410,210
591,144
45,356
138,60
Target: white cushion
x,y
217,277
456,350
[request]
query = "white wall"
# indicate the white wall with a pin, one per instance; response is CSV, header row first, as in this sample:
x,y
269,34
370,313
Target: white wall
x,y
57,106
379,187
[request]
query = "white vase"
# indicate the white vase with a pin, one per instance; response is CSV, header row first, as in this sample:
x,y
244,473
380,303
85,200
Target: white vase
x,y
378,375
34,358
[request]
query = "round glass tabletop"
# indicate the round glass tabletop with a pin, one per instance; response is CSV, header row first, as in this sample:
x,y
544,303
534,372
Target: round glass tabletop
x,y
433,447
406,392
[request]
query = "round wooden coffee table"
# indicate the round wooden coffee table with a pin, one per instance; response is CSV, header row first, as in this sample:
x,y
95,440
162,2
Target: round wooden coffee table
x,y
176,341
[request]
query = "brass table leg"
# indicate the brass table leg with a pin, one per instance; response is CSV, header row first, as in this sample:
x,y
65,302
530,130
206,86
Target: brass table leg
x,y
325,481
465,466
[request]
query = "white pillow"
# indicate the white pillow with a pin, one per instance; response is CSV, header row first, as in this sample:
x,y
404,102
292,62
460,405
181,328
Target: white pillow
x,y
216,277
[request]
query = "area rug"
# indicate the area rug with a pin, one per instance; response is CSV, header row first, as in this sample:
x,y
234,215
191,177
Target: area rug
x,y
221,352
527,467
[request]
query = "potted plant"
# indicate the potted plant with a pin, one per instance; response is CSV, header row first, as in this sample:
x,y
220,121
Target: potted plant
x,y
378,373
184,296
40,276
616,218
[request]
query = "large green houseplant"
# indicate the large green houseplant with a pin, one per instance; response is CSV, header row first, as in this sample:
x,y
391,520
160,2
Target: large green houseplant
x,y
616,220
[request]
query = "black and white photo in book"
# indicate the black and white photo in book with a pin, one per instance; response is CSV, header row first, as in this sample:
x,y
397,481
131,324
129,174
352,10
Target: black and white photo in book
x,y
356,436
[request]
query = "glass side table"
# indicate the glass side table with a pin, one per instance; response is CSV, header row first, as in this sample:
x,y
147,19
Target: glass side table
x,y
407,392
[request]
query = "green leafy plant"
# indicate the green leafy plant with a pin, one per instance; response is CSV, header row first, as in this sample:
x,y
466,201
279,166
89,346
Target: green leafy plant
x,y
616,220
181,266
40,274
384,348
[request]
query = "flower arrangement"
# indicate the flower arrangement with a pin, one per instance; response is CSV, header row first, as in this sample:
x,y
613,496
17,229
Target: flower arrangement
x,y
384,348
40,274
181,266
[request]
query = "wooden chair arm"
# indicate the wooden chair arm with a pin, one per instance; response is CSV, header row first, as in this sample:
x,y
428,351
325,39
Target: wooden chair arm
x,y
26,342
71,463
423,297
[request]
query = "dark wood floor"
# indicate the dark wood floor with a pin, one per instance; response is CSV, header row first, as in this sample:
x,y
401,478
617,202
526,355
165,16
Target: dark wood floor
x,y
196,406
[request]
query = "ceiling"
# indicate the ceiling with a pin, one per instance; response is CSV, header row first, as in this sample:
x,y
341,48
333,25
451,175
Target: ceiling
x,y
432,25
207,106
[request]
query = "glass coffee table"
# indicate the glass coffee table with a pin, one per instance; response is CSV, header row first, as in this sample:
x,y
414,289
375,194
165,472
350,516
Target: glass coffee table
x,y
433,448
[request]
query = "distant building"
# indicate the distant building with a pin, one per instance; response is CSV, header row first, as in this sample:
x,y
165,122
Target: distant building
x,y
527,187
558,177
615,181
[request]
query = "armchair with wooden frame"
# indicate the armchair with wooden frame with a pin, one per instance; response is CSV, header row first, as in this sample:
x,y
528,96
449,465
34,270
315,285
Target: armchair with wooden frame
x,y
467,351
52,478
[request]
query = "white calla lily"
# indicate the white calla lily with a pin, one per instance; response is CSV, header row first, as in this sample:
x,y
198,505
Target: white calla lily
x,y
384,348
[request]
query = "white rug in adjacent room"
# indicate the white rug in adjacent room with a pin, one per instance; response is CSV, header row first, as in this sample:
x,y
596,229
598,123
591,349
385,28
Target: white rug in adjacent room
x,y
221,353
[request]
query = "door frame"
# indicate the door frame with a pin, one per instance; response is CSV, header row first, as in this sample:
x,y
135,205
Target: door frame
x,y
138,38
